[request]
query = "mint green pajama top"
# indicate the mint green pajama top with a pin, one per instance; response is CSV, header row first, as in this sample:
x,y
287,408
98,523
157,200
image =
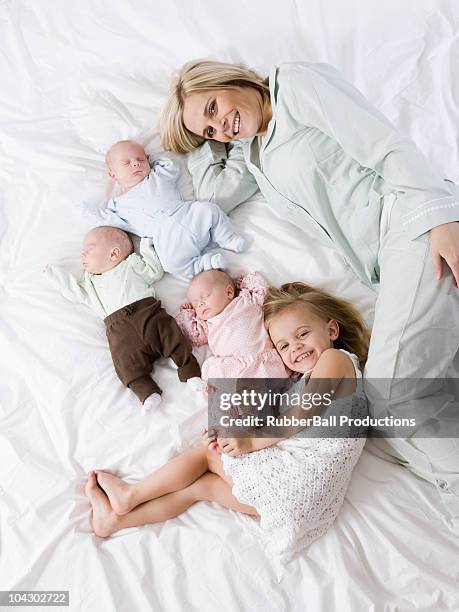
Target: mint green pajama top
x,y
326,162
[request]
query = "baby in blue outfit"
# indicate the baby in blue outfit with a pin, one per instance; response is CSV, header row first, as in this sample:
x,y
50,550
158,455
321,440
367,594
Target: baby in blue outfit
x,y
150,205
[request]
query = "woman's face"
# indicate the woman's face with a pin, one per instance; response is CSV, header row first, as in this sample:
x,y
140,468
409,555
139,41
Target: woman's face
x,y
226,114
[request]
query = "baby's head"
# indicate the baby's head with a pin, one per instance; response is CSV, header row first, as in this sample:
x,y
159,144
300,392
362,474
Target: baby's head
x,y
303,322
104,248
127,163
210,293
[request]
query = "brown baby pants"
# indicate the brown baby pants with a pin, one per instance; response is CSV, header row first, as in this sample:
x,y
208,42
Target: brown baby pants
x,y
138,335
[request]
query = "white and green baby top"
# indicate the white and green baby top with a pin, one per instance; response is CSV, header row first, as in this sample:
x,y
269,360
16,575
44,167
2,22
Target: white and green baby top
x,y
326,162
128,282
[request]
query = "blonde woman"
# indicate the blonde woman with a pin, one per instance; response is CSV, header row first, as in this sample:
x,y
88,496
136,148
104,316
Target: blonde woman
x,y
332,164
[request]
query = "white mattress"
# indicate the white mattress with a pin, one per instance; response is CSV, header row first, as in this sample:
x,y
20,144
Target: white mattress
x,y
75,78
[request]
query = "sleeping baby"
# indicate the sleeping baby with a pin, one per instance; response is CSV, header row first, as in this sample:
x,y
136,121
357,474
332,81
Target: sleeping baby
x,y
118,285
150,205
228,316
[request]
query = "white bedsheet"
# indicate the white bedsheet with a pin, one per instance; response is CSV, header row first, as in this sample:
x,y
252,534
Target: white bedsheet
x,y
76,77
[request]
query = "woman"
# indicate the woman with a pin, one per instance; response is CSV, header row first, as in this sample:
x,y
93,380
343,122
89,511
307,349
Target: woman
x,y
335,166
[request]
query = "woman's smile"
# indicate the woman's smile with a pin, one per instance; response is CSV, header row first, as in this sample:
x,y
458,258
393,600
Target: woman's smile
x,y
226,114
236,123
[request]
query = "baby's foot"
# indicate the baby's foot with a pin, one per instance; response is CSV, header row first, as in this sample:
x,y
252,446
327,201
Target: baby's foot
x,y
152,402
196,385
237,244
217,261
104,521
119,492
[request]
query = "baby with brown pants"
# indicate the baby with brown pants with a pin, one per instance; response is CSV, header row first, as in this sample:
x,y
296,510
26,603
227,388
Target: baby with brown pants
x,y
118,285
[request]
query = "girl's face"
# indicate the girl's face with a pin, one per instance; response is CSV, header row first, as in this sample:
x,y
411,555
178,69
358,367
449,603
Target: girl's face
x,y
226,114
300,336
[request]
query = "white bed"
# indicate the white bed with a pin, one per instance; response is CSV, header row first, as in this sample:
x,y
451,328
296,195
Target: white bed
x,y
76,77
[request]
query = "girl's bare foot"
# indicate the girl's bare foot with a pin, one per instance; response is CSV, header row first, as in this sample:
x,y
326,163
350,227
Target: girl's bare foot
x,y
119,492
104,520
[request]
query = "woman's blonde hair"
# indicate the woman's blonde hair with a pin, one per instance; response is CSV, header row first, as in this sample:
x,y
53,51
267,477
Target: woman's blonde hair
x,y
198,76
354,335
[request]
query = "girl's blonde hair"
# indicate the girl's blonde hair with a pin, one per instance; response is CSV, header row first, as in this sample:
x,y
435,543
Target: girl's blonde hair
x,y
354,335
198,76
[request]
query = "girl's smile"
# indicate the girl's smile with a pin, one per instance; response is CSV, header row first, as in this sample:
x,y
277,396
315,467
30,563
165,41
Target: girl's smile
x,y
300,336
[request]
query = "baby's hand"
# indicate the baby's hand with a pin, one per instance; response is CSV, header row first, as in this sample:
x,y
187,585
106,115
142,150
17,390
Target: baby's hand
x,y
209,440
187,306
239,280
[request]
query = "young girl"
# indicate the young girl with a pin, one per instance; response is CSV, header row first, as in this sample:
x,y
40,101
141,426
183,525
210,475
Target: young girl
x,y
294,486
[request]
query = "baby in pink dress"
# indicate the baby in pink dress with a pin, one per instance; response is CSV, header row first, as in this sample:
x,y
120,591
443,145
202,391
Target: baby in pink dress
x,y
231,323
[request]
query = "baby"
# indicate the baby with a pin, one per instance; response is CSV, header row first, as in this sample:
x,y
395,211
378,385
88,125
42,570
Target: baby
x,y
118,285
151,205
231,323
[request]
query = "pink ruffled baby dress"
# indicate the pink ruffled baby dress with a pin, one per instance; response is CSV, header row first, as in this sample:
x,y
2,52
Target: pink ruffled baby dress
x,y
237,338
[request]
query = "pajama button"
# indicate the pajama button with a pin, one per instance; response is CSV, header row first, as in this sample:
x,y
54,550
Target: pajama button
x,y
442,484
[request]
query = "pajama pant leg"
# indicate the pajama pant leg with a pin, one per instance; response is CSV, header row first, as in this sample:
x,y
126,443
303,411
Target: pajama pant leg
x,y
132,359
199,264
416,335
166,337
182,238
204,222
143,387
222,231
207,221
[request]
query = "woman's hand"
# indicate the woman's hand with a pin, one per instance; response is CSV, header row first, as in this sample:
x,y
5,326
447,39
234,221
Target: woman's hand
x,y
444,245
235,446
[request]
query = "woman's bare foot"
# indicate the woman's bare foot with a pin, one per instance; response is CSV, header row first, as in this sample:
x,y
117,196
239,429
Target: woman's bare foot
x,y
104,520
119,492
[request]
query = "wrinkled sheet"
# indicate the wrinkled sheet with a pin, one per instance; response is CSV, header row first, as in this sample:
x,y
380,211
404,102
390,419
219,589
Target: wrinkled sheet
x,y
75,78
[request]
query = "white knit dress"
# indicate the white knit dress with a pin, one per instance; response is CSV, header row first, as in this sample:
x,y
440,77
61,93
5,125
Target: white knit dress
x,y
297,486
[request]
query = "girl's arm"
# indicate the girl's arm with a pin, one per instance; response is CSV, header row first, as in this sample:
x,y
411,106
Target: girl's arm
x,y
319,96
194,329
220,174
333,376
